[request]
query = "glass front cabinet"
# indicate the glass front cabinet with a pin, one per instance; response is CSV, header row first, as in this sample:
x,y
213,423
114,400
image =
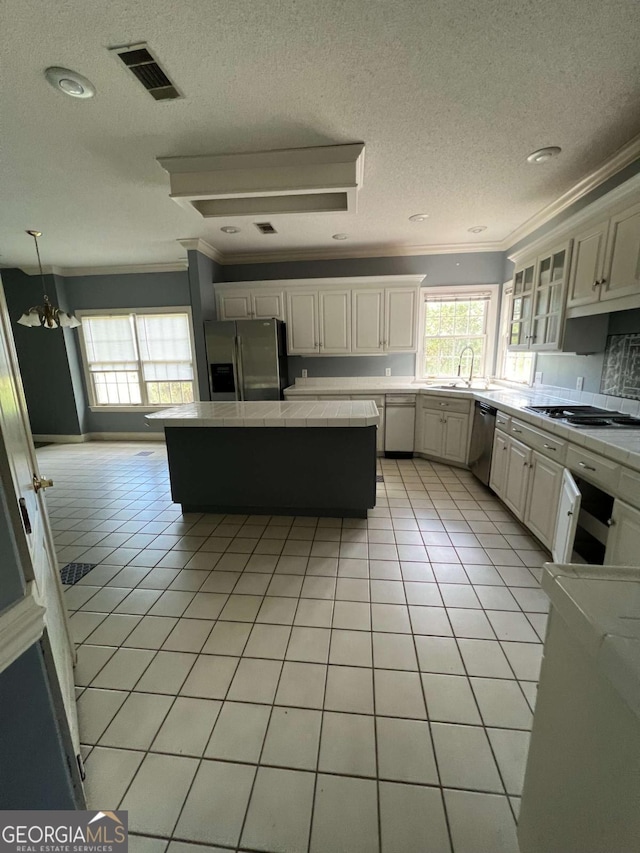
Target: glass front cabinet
x,y
539,297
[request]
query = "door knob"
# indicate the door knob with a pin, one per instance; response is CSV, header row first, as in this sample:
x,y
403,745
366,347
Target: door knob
x,y
41,483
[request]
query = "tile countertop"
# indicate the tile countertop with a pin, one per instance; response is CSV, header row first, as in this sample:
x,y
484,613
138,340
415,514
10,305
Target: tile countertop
x,y
277,413
602,607
619,445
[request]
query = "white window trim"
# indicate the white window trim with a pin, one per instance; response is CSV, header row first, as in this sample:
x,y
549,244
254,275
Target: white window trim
x,y
459,290
505,305
110,312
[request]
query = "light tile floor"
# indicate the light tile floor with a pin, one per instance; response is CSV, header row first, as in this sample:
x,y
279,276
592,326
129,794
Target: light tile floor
x,y
300,684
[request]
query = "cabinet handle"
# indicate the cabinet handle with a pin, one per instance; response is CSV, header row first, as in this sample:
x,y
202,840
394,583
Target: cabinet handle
x,y
526,464
444,404
603,281
611,522
549,447
586,467
513,429
594,285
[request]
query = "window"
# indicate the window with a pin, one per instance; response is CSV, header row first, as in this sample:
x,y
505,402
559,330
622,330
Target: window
x,y
512,366
138,359
455,318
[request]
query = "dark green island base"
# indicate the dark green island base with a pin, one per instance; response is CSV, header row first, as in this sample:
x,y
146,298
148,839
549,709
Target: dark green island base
x,y
320,471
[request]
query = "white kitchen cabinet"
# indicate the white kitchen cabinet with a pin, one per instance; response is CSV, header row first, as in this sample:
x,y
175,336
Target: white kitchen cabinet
x,y
267,305
623,541
302,322
251,305
622,262
334,321
541,510
234,306
522,307
498,476
517,477
566,518
444,435
400,326
368,321
455,440
431,432
549,298
587,266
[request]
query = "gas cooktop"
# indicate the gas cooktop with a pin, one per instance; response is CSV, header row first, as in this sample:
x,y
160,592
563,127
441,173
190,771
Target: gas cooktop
x,y
587,416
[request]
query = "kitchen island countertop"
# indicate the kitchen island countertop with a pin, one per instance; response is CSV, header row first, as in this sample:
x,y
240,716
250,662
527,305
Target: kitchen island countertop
x,y
275,413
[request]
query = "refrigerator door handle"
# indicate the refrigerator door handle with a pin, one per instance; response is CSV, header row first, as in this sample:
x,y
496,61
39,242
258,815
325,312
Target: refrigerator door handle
x,y
239,369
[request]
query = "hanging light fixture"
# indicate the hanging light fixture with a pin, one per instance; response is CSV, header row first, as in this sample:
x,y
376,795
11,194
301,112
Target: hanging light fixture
x,y
46,315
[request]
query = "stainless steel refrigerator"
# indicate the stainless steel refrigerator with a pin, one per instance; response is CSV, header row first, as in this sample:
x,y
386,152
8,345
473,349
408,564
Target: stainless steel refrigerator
x,y
247,359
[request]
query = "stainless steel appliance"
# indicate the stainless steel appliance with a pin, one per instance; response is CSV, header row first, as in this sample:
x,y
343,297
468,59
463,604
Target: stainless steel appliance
x,y
400,424
481,450
246,359
587,417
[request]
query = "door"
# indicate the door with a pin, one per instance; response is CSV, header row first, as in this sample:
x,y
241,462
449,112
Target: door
x,y
236,306
456,431
258,366
498,478
517,479
400,319
622,266
545,484
522,307
222,360
567,519
431,429
367,317
335,321
267,306
302,322
587,265
623,542
18,468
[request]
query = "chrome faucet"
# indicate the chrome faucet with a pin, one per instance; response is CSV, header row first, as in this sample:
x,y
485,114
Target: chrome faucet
x,y
462,352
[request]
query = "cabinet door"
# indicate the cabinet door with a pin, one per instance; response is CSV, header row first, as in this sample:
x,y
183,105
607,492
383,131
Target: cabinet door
x,y
521,307
623,542
400,319
587,265
517,479
622,266
302,322
498,477
545,484
267,306
335,321
431,432
235,306
566,519
549,299
456,432
367,321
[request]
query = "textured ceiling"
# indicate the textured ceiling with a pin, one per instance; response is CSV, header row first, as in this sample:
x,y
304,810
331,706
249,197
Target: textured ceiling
x,y
449,97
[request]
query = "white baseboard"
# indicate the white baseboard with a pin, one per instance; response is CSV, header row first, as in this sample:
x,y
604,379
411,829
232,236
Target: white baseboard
x,y
99,436
61,439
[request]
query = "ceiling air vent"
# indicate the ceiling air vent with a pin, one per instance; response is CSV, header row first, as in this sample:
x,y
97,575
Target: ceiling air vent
x,y
147,70
265,228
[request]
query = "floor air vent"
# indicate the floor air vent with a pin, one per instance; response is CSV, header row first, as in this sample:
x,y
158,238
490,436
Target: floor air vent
x,y
265,228
147,70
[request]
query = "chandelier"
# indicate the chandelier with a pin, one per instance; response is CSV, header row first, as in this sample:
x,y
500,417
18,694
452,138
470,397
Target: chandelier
x,y
46,315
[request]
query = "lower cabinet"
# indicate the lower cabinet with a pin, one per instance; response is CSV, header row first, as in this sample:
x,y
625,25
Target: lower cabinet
x,y
541,510
443,434
517,477
623,541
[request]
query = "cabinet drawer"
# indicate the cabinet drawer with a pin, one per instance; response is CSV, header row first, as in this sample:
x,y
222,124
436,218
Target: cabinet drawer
x,y
629,487
503,421
550,446
593,467
378,399
448,404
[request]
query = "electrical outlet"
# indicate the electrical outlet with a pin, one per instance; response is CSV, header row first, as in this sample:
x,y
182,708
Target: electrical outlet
x,y
579,383
305,373
538,378
387,371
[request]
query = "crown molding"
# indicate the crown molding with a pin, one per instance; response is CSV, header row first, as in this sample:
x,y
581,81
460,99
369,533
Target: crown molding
x,y
197,244
124,269
383,251
607,169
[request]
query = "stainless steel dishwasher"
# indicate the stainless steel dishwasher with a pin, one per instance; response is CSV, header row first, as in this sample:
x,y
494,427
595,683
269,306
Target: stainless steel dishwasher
x,y
484,424
400,424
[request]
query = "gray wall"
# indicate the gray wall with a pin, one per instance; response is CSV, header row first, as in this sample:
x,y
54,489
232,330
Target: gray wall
x,y
401,364
203,272
33,770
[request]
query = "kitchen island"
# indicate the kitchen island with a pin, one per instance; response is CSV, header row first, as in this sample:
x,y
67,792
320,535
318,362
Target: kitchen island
x,y
277,458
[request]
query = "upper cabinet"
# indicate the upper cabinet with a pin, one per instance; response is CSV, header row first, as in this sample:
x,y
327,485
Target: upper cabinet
x,y
523,280
588,265
622,261
343,316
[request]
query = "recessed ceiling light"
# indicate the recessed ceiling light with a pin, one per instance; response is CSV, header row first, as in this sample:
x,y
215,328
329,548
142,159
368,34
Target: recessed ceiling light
x,y
418,217
230,229
476,229
70,82
544,154
340,236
